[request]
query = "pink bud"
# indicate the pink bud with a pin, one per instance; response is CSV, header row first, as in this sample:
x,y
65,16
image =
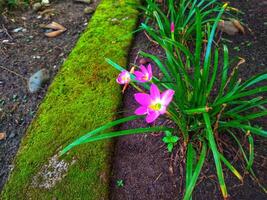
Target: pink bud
x,y
172,27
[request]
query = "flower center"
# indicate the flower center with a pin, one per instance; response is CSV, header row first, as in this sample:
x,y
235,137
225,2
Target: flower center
x,y
126,78
145,77
156,106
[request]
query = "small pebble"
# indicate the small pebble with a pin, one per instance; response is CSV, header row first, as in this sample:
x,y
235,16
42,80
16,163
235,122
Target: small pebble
x,y
12,135
16,30
83,1
88,10
45,2
2,83
37,80
36,7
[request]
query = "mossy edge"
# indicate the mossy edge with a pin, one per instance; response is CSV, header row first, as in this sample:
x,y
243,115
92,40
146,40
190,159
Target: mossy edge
x,y
82,97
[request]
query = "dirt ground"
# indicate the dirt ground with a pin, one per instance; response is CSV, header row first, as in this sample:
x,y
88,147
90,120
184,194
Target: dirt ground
x,y
22,54
150,172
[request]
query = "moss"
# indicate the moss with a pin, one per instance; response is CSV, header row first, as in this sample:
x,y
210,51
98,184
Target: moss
x,y
82,97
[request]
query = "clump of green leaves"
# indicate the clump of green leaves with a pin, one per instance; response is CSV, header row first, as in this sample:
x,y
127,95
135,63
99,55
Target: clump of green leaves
x,y
182,14
170,140
209,99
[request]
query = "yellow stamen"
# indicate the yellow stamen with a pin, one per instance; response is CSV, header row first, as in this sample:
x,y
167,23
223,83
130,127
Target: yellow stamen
x,y
156,106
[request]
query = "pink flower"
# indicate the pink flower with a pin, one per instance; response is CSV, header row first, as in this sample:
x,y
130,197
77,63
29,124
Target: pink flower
x,y
153,105
124,77
172,27
145,74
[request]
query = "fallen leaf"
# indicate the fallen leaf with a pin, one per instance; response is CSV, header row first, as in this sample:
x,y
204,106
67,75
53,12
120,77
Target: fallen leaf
x,y
238,26
228,27
54,33
2,136
54,26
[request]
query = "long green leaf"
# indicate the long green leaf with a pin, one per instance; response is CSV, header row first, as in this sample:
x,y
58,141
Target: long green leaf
x,y
98,130
193,181
216,155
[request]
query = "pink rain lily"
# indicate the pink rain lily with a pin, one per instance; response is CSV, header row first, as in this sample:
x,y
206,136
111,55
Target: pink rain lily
x,y
145,74
153,105
124,77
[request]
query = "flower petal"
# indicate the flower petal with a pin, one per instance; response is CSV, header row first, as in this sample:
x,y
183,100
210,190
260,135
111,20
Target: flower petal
x,y
154,92
162,109
149,69
143,69
166,97
139,76
152,116
141,110
143,99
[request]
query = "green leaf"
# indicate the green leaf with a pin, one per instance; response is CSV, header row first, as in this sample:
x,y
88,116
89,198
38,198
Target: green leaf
x,y
236,124
170,147
231,167
193,180
190,158
216,155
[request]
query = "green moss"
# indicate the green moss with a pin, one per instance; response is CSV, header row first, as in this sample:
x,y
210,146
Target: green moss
x,y
82,97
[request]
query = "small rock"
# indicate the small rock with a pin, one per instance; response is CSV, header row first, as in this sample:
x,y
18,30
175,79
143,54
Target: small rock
x,y
2,136
83,1
12,135
2,83
36,7
88,10
45,2
115,21
37,80
16,30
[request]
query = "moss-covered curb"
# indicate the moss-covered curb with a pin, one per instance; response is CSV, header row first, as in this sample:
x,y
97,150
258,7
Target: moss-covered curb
x,y
83,96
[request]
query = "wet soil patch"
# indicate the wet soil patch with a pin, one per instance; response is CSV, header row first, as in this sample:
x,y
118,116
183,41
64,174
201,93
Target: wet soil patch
x,y
150,172
24,52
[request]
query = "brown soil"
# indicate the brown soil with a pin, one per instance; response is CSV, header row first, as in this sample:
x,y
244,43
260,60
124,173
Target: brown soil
x,y
24,54
150,172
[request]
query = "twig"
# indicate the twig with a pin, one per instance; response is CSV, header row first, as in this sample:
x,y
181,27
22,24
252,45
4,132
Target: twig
x,y
6,32
13,72
149,38
157,177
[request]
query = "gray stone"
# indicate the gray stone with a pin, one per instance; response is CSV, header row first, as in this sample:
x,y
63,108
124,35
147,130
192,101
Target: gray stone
x,y
88,10
36,7
37,80
83,1
45,2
